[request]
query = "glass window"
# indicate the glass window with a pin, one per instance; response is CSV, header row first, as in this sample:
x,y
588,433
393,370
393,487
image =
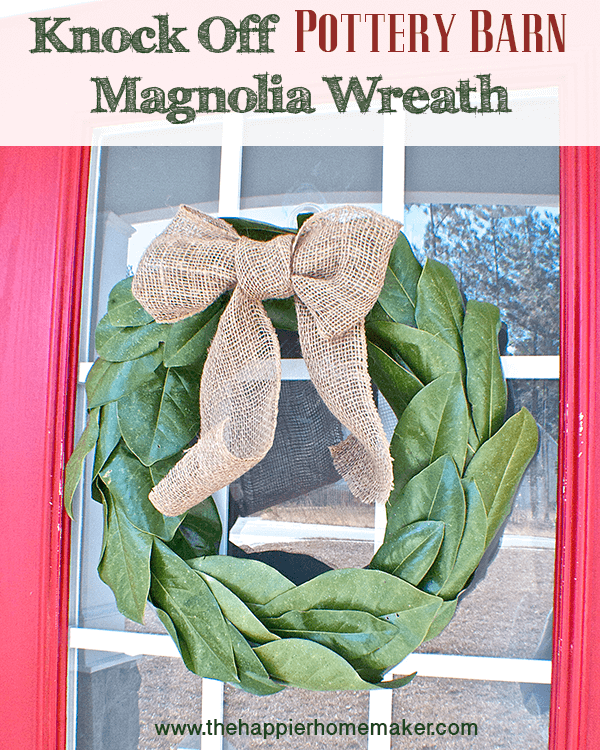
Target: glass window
x,y
506,253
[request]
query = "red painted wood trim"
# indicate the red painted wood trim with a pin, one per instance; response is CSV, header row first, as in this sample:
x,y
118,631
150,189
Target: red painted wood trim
x,y
42,219
575,713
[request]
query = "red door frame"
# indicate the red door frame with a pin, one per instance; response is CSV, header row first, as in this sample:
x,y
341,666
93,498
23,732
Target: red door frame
x,y
42,219
575,713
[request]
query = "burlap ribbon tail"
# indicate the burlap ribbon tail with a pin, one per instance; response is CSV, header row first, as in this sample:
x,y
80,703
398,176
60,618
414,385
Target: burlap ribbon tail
x,y
334,267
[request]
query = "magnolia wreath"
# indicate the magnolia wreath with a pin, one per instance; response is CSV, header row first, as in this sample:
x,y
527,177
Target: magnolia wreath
x,y
457,460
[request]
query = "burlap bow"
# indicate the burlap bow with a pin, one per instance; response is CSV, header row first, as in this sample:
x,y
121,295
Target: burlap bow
x,y
335,268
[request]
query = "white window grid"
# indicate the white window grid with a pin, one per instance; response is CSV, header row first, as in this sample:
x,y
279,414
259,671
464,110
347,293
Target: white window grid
x,y
253,531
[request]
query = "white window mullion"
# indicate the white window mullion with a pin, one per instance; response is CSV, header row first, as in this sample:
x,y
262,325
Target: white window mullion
x,y
213,693
447,666
380,712
392,183
230,182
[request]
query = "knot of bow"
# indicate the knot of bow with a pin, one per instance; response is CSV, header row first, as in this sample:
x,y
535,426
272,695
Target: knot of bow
x,y
334,267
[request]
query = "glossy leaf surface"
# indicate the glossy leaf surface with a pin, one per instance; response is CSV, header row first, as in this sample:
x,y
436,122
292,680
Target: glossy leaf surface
x,y
189,339
435,423
399,294
108,381
109,436
427,356
369,591
413,625
202,633
282,313
252,676
442,618
238,614
397,384
123,308
486,388
74,467
350,634
125,563
256,230
129,483
119,344
498,466
435,494
253,581
161,417
439,309
411,551
309,665
472,544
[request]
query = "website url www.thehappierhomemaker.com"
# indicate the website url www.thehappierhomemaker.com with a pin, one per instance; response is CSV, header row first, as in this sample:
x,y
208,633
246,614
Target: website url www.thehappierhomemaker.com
x,y
315,728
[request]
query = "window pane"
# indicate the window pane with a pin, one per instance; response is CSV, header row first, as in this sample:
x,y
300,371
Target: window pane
x,y
496,707
506,255
309,178
137,180
515,172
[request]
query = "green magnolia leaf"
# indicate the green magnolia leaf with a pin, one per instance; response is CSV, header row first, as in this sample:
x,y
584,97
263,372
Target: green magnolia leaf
x,y
74,467
125,563
238,614
254,582
188,339
498,466
160,469
442,618
377,313
252,676
109,381
205,519
99,492
413,625
301,218
161,417
369,591
120,344
282,313
109,437
350,634
435,494
124,309
129,484
199,532
486,388
439,309
426,355
411,552
435,423
256,230
306,664
100,495
398,296
172,631
472,443
396,383
472,544
202,633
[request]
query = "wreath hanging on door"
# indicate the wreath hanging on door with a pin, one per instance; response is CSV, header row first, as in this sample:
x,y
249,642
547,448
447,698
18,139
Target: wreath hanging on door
x,y
457,461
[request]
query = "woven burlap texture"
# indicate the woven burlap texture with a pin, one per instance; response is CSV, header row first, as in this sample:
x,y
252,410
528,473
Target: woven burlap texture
x,y
334,267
